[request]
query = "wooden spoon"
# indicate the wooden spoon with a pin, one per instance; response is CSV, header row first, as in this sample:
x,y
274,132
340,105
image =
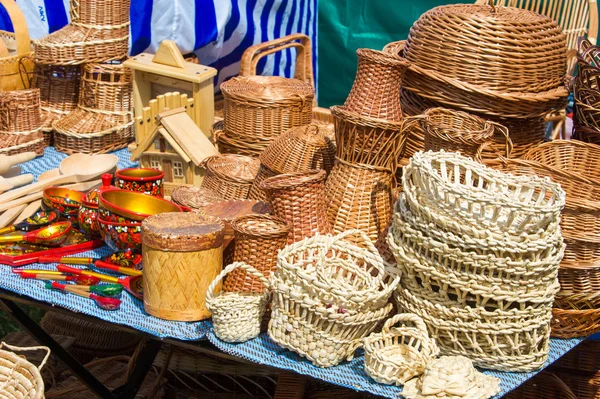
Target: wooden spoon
x,y
7,217
7,161
12,172
12,182
29,210
73,170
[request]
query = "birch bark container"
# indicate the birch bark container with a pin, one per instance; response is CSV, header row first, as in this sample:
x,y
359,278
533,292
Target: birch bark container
x,y
182,254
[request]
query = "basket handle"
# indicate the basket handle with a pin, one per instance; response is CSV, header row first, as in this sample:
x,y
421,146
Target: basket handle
x,y
210,293
405,317
20,26
503,130
369,246
29,349
304,68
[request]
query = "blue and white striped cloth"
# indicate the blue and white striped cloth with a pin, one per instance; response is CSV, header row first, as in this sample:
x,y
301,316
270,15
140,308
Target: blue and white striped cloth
x,y
218,31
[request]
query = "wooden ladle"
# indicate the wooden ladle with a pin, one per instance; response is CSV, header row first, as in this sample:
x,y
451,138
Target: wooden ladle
x,y
73,169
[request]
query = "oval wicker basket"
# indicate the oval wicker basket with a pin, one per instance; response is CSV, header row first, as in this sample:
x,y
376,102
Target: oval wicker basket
x,y
398,354
20,379
573,156
230,175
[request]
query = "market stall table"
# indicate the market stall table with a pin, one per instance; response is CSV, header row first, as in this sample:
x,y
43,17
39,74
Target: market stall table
x,y
193,336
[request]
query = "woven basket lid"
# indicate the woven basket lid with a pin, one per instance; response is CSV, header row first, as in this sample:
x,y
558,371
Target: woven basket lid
x,y
301,148
194,197
183,232
499,48
273,89
233,167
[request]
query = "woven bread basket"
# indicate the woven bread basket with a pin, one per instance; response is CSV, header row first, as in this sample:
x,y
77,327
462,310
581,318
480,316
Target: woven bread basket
x,y
229,175
19,379
103,120
98,32
397,354
20,122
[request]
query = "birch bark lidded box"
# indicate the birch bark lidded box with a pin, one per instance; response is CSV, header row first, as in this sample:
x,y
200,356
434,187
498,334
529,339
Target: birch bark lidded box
x,y
182,254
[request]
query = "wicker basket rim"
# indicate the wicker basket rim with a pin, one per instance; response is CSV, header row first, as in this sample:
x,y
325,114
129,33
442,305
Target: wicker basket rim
x,y
289,180
235,167
261,226
266,88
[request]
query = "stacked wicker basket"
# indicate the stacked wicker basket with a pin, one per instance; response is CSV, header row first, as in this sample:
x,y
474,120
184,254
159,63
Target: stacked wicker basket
x,y
464,57
479,252
86,92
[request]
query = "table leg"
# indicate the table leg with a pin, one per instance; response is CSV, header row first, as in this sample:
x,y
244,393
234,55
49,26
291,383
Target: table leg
x,y
142,366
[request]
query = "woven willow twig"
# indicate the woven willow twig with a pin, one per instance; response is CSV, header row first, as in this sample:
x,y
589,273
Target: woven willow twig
x,y
230,175
59,90
570,155
20,122
237,316
398,354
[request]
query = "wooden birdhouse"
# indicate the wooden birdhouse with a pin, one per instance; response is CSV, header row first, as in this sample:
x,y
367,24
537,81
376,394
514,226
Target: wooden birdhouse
x,y
177,147
167,71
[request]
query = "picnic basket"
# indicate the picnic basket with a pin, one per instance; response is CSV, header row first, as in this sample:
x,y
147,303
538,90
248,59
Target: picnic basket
x,y
16,62
98,32
237,316
19,379
59,90
20,122
299,199
230,175
258,239
103,120
397,354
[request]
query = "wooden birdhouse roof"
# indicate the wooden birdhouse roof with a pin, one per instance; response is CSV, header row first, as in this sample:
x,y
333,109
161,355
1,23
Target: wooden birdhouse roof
x,y
180,131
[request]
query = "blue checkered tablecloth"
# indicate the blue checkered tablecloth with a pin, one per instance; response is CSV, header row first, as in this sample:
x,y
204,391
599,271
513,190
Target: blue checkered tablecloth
x,y
260,350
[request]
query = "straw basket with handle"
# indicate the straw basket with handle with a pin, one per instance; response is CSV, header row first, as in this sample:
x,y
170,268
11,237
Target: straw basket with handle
x,y
237,316
15,66
19,379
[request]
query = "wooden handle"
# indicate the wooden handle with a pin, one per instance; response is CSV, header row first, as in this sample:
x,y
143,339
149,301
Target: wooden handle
x,y
119,269
20,26
36,187
8,161
17,181
73,270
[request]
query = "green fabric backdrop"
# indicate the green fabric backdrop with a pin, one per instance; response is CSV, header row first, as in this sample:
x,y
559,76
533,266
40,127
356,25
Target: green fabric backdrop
x,y
345,25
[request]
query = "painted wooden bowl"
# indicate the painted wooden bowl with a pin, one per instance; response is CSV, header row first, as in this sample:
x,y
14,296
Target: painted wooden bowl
x,y
143,180
131,207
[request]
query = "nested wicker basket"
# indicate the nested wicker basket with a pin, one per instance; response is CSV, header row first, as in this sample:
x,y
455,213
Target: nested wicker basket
x,y
397,354
98,32
103,120
376,89
20,122
258,239
59,90
19,379
299,199
236,316
230,175
458,131
359,197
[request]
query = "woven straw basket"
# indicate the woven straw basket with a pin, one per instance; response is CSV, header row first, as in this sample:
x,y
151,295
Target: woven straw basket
x,y
20,379
397,354
20,122
98,32
230,175
236,316
16,60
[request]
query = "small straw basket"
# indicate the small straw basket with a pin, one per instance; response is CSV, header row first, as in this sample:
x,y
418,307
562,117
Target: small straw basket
x,y
19,379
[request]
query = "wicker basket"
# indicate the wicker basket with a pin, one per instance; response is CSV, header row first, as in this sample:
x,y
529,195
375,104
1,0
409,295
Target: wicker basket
x,y
237,316
256,193
20,379
571,323
229,175
15,66
103,120
258,239
376,89
195,198
98,32
395,355
59,90
572,156
458,131
343,271
20,122
585,357
544,385
359,197
323,335
299,199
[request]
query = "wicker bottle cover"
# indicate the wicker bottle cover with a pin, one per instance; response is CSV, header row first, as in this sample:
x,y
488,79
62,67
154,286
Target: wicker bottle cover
x,y
359,197
182,254
376,89
230,175
300,149
258,239
20,122
299,198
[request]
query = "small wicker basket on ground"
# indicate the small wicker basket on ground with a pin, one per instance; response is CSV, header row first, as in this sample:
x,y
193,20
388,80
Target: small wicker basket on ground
x,y
230,175
237,316
59,90
20,122
258,239
98,32
299,199
103,120
397,354
20,379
